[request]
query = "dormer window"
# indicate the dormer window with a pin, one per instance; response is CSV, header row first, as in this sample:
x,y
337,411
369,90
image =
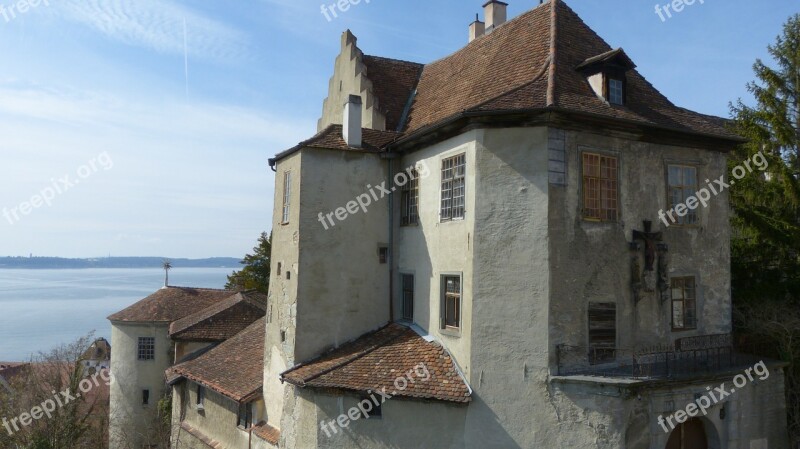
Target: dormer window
x,y
616,91
606,74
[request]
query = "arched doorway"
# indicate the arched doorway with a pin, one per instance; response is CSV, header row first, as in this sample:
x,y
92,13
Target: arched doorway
x,y
689,435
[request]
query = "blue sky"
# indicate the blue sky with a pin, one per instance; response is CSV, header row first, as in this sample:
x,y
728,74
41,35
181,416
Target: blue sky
x,y
180,168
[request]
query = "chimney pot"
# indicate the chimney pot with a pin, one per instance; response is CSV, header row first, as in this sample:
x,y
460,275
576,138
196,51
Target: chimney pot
x,y
351,121
476,29
495,14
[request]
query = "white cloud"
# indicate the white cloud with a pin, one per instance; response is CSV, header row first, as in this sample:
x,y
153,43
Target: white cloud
x,y
157,25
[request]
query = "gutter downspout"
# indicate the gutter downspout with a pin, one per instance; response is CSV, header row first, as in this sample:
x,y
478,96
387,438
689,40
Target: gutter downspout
x,y
391,245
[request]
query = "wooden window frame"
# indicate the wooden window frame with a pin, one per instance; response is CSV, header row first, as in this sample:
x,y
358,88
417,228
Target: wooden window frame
x,y
603,351
408,288
409,201
453,192
685,284
615,74
686,192
287,197
146,349
456,298
595,182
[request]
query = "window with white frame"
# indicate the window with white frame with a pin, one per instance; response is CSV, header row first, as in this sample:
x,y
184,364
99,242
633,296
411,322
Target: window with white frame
x,y
453,187
451,302
682,181
409,201
147,348
287,195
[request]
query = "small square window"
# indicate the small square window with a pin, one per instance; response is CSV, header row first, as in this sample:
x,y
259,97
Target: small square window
x,y
147,348
616,91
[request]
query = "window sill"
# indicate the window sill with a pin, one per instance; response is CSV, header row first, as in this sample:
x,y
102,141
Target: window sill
x,y
451,332
685,329
409,225
453,220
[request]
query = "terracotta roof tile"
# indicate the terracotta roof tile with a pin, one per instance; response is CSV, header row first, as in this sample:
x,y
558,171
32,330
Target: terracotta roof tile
x,y
222,320
376,360
170,304
214,444
529,63
509,60
235,368
393,82
331,138
267,433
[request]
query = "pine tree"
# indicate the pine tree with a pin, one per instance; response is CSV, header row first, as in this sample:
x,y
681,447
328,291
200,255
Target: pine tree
x,y
766,221
255,274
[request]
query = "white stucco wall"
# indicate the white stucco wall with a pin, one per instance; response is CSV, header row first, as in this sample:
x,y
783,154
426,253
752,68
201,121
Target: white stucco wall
x,y
130,421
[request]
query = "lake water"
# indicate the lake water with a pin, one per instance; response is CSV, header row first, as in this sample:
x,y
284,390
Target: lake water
x,y
40,309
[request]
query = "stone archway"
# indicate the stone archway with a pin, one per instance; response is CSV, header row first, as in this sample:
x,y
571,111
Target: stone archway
x,y
689,435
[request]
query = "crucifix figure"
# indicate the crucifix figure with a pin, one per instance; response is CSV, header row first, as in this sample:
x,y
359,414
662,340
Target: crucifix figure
x,y
651,240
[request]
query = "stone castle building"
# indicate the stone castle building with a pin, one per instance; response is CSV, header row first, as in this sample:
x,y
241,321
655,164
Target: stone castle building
x,y
469,254
528,249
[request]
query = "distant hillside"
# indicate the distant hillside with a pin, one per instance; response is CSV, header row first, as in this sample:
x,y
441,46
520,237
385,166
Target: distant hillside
x,y
114,262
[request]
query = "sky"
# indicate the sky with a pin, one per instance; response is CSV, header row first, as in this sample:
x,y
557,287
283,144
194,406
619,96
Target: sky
x,y
143,128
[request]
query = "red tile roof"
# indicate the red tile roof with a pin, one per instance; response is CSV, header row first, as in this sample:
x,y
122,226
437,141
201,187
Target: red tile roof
x,y
170,304
393,82
267,433
234,369
214,444
528,64
376,360
331,138
222,320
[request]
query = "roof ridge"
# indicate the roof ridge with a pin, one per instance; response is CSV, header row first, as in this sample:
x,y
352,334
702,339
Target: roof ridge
x,y
393,59
551,76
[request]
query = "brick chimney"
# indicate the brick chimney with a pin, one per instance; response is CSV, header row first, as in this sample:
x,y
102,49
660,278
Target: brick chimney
x,y
351,121
476,29
494,12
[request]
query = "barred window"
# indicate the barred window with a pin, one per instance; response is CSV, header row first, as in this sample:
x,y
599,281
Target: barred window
x,y
600,187
602,332
147,348
287,195
682,185
684,303
451,302
453,187
409,201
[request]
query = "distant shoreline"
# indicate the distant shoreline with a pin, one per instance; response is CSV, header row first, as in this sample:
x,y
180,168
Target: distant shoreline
x,y
56,263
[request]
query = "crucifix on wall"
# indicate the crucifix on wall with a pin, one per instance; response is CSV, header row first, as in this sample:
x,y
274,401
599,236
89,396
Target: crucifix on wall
x,y
647,279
